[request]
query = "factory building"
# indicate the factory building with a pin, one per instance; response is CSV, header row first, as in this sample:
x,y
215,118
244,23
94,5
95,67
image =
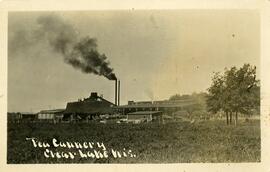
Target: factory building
x,y
96,107
88,108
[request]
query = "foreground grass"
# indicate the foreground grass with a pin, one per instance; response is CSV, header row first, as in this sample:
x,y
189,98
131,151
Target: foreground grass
x,y
179,142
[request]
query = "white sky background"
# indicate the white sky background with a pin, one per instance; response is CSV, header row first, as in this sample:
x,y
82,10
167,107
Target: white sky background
x,y
154,53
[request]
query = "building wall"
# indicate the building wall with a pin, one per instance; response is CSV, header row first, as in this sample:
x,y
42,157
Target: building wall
x,y
166,110
46,116
29,117
147,117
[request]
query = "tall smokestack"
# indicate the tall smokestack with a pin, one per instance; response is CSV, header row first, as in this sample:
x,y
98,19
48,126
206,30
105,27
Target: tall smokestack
x,y
115,92
118,92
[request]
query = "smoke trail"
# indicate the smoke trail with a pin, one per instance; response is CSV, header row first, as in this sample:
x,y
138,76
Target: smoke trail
x,y
81,53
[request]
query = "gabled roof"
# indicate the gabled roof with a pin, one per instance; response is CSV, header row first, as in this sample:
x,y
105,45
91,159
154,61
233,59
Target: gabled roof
x,y
90,105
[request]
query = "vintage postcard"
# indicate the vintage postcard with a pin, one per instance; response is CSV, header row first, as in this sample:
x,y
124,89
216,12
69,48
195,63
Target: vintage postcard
x,y
172,87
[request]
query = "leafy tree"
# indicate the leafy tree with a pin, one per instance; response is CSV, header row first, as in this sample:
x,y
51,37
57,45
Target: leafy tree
x,y
218,95
246,91
235,91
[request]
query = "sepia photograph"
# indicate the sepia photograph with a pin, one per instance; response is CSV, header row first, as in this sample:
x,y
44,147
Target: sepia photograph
x,y
133,86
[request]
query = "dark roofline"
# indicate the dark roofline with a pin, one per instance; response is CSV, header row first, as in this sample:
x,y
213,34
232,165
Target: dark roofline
x,y
154,105
87,99
52,111
144,112
106,100
28,113
91,105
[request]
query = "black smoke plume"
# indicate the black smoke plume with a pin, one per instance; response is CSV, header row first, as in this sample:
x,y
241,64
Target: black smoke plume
x,y
81,53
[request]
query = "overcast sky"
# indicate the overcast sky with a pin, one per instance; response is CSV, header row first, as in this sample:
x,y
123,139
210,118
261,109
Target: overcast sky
x,y
155,54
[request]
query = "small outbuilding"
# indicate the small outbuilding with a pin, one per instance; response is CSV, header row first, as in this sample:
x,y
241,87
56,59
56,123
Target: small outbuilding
x,y
28,116
51,115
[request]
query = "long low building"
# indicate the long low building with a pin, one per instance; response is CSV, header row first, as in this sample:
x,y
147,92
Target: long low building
x,y
21,116
163,106
55,114
144,116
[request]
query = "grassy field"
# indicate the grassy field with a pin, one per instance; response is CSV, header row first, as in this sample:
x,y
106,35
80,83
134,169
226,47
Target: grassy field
x,y
178,142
